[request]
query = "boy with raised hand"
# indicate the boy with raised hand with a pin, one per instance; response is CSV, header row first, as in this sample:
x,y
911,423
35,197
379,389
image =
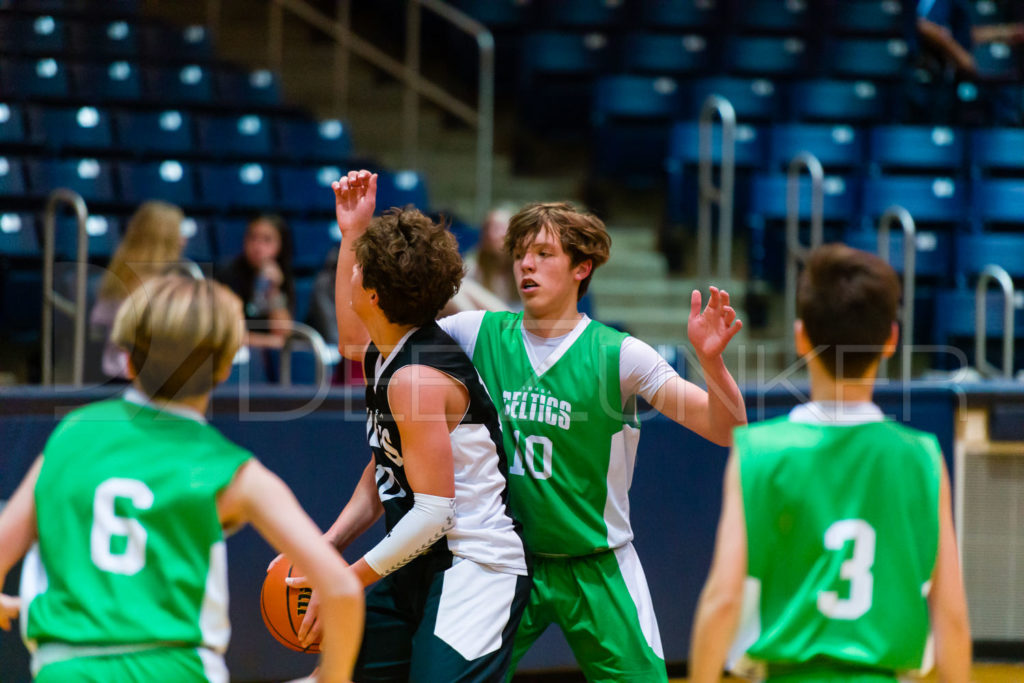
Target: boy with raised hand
x,y
124,511
450,577
836,537
565,387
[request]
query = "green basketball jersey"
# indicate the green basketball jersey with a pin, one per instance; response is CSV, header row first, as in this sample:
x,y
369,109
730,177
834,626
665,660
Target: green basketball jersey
x,y
570,448
842,537
130,547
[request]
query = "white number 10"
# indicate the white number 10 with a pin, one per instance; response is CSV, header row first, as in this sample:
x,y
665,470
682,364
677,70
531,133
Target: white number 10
x,y
856,570
530,447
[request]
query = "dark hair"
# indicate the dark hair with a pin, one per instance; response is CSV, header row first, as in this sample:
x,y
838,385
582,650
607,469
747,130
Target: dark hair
x,y
582,235
412,263
848,300
285,256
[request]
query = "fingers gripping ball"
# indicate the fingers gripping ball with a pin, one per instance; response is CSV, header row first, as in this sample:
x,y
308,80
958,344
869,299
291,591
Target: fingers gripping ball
x,y
283,607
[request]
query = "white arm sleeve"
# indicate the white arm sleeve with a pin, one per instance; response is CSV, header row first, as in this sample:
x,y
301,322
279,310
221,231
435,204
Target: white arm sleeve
x,y
642,370
463,328
430,518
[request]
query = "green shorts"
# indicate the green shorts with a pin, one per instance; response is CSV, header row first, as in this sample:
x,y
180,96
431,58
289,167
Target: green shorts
x,y
187,665
603,606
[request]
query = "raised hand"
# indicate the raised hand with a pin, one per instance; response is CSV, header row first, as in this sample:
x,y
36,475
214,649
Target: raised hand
x,y
355,198
711,331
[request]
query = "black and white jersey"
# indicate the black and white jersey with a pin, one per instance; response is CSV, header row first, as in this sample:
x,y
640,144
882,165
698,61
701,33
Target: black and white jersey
x,y
485,531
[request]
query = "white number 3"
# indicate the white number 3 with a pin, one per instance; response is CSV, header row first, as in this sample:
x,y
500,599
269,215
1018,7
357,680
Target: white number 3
x,y
106,525
856,570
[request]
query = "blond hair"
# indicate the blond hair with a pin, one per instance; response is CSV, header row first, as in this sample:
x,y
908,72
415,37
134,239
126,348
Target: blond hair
x,y
151,242
180,334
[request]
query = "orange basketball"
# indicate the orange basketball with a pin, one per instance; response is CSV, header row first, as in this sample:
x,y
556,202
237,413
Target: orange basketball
x,y
283,607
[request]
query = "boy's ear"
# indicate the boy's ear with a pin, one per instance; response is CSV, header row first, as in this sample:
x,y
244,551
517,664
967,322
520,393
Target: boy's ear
x,y
889,348
800,339
581,270
130,368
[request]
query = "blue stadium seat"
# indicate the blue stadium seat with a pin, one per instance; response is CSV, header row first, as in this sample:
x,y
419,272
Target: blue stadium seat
x,y
170,180
835,146
35,78
313,240
307,188
582,13
938,149
782,57
18,238
401,188
117,81
167,132
103,231
997,62
301,139
934,252
680,14
166,43
684,144
303,293
632,117
228,236
12,124
997,149
116,38
91,178
667,55
12,177
241,89
975,251
199,247
954,317
838,101
82,128
868,59
768,197
867,17
929,200
755,99
792,16
36,34
226,136
245,185
175,85
556,79
999,200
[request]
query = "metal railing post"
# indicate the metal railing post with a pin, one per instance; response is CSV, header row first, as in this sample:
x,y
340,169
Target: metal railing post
x,y
52,298
796,253
708,194
898,213
485,126
999,274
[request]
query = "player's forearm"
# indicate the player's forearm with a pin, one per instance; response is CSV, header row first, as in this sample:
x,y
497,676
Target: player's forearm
x,y
342,612
726,408
18,520
714,625
953,650
352,334
359,514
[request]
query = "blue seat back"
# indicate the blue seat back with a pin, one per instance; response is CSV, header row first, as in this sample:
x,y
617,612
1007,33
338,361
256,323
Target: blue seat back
x,y
314,239
955,316
658,54
779,57
768,197
37,34
838,101
772,16
835,146
174,85
401,189
83,128
307,188
228,237
564,54
975,251
941,200
257,88
999,200
637,97
934,250
115,38
91,178
169,180
45,77
18,236
189,44
12,124
867,17
755,99
937,148
12,177
997,148
167,132
245,186
997,62
247,135
680,14
119,80
199,247
104,233
302,139
871,59
684,144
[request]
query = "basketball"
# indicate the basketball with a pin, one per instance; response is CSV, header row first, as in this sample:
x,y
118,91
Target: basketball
x,y
284,607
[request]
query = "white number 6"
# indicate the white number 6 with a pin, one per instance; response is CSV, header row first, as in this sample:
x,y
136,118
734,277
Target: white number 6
x,y
106,524
856,570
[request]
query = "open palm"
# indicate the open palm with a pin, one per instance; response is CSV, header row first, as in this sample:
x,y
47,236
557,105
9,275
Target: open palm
x,y
711,331
355,198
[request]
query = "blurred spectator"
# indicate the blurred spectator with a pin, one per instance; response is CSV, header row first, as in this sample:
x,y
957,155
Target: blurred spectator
x,y
489,283
322,316
947,34
152,242
262,277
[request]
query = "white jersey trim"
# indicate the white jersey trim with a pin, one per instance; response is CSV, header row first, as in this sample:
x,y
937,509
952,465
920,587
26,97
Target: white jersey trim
x,y
532,341
474,609
837,413
214,623
636,584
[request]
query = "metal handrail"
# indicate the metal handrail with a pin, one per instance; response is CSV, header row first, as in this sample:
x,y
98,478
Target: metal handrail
x,y
906,221
708,194
999,274
796,252
301,332
482,118
51,297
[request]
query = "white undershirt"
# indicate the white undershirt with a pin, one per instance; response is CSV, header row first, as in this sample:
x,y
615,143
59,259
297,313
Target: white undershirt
x,y
836,413
642,370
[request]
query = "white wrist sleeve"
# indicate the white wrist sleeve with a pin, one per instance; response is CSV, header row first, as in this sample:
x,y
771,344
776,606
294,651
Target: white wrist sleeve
x,y
430,518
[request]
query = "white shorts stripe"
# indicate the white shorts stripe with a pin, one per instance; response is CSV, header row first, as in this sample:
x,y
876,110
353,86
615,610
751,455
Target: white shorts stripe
x,y
474,609
636,583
